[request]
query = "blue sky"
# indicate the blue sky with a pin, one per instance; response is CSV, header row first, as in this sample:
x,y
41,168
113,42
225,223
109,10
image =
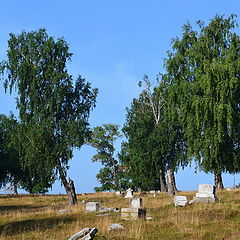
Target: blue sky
x,y
114,44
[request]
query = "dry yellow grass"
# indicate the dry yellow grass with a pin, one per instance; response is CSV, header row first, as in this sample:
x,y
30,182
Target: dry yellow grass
x,y
37,217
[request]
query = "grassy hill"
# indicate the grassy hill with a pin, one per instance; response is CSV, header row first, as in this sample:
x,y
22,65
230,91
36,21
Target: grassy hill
x,y
37,217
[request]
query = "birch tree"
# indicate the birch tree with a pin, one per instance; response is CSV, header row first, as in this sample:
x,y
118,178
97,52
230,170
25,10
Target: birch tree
x,y
103,138
203,69
154,143
53,109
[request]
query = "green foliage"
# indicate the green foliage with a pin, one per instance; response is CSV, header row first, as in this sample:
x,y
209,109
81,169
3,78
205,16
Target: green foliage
x,y
124,176
8,155
203,77
105,178
154,143
53,111
12,169
142,170
103,139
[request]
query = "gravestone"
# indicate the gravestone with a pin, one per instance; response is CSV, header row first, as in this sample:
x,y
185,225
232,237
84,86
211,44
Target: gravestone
x,y
136,203
135,210
92,206
205,194
108,209
132,213
180,201
206,190
85,234
115,226
64,211
129,193
152,191
90,235
82,233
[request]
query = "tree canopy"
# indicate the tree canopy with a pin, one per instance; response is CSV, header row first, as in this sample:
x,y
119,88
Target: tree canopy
x,y
8,154
193,112
154,144
203,75
53,109
103,138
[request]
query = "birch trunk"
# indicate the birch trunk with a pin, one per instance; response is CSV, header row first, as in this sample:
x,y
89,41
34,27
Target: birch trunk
x,y
163,187
68,185
171,182
218,181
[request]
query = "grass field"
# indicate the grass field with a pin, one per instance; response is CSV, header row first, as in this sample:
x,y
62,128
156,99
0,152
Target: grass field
x,y
37,217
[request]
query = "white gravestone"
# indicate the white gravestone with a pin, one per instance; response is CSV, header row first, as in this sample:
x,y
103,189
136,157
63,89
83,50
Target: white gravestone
x,y
129,193
206,190
206,194
85,234
180,201
136,203
152,191
92,206
115,226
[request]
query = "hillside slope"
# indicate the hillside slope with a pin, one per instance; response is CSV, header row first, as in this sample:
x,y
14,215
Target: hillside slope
x,y
37,217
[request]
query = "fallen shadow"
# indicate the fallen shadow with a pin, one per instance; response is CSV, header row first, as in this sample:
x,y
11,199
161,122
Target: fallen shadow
x,y
18,207
17,227
33,195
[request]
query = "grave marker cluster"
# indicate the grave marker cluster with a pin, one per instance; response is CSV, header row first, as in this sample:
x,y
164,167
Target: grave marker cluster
x,y
135,210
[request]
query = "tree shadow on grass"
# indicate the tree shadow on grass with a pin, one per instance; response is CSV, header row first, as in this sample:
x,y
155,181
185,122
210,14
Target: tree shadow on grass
x,y
17,227
19,208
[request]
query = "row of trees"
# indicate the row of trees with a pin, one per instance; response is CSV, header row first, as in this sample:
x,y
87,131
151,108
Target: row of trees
x,y
191,114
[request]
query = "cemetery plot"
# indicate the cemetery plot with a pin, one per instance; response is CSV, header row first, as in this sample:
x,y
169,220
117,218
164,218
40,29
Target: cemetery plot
x,y
35,217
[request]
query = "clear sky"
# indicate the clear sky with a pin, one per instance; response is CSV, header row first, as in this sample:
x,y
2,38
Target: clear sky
x,y
114,44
